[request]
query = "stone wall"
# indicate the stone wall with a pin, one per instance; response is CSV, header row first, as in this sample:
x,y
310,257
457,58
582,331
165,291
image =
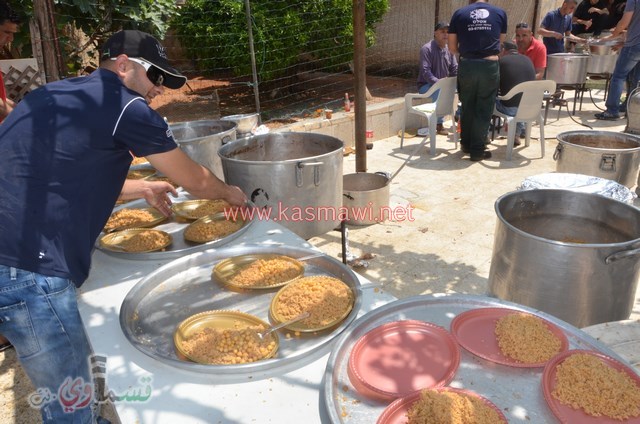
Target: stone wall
x,y
409,24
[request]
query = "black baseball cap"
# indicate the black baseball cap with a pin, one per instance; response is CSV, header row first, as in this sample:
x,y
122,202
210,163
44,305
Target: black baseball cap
x,y
139,44
441,25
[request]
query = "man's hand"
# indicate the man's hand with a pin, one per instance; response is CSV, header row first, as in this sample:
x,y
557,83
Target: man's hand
x,y
156,193
235,196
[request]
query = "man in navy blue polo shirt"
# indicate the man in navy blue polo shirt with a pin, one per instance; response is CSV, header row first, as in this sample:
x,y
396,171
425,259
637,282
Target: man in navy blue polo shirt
x,y
556,26
476,32
64,155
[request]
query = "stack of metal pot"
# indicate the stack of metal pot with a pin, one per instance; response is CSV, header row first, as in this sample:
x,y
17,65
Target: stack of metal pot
x,y
603,57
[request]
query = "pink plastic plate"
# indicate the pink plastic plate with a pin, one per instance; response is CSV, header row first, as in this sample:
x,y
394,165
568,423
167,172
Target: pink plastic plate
x,y
396,412
400,357
475,331
567,414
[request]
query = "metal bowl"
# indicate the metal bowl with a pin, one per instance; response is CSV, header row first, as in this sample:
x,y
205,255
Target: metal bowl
x,y
603,47
246,122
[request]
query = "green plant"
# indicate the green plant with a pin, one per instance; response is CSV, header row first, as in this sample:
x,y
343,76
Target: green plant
x,y
214,33
96,20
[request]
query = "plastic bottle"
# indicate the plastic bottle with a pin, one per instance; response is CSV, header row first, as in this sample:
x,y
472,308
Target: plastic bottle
x,y
347,103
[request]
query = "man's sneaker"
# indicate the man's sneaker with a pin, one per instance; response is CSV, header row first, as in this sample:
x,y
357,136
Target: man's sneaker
x,y
607,116
440,130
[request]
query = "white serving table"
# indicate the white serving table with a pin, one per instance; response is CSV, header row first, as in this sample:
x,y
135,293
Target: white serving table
x,y
153,392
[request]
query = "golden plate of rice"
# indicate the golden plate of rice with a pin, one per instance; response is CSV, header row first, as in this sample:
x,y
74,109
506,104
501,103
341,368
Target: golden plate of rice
x,y
224,338
196,209
136,240
133,218
140,174
328,300
257,271
212,227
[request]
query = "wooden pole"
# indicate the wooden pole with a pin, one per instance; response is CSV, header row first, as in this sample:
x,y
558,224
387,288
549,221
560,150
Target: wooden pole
x,y
359,65
46,41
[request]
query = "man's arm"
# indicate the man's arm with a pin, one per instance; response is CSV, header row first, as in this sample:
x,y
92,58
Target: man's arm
x,y
195,178
6,107
548,33
426,65
453,43
539,73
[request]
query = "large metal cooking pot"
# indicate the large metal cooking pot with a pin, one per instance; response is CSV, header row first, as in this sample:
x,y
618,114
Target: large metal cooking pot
x,y
200,140
606,154
366,198
567,68
295,177
573,255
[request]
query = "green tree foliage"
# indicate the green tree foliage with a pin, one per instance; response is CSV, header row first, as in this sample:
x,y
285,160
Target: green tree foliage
x,y
214,33
97,20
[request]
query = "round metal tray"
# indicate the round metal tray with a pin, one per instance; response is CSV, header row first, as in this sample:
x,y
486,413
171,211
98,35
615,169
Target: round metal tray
x,y
154,307
516,391
175,227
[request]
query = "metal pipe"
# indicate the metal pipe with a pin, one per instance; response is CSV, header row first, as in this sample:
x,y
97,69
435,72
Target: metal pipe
x,y
254,71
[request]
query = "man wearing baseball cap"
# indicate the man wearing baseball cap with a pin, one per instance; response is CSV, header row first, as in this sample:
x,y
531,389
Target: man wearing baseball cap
x,y
436,62
66,149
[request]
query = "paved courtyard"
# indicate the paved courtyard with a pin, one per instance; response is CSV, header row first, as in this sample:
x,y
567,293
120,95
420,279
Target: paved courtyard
x,y
447,248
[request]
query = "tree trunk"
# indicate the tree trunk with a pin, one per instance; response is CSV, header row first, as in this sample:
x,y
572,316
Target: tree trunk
x,y
44,40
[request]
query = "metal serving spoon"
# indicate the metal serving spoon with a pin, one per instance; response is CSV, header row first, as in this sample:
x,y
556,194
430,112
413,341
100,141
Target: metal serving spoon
x,y
264,333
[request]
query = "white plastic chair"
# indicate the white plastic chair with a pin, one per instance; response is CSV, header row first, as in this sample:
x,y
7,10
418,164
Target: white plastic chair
x,y
529,110
444,105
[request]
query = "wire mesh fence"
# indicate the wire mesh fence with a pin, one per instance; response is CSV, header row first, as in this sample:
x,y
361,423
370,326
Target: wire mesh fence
x,y
302,50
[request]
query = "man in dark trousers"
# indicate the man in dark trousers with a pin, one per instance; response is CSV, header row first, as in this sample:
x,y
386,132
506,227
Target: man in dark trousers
x,y
476,32
514,69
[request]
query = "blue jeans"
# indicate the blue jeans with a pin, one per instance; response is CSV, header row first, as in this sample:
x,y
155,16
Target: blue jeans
x,y
39,315
627,60
434,96
510,111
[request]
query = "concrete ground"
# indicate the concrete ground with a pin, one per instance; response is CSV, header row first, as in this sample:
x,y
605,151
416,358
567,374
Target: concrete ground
x,y
447,248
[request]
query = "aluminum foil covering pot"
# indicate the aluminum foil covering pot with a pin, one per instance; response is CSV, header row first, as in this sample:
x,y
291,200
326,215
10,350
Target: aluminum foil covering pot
x,y
573,255
294,178
200,140
581,183
606,154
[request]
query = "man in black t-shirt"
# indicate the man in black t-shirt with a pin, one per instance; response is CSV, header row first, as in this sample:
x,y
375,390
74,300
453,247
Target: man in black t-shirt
x,y
514,69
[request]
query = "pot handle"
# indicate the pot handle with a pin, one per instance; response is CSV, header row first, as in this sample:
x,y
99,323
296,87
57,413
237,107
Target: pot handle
x,y
316,172
621,255
226,139
558,152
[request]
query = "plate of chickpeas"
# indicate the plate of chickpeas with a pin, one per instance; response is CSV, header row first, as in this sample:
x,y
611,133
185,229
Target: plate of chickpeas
x,y
224,337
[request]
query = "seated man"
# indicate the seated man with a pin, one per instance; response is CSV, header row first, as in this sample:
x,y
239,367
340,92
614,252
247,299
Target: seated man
x,y
531,47
590,16
436,62
514,69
